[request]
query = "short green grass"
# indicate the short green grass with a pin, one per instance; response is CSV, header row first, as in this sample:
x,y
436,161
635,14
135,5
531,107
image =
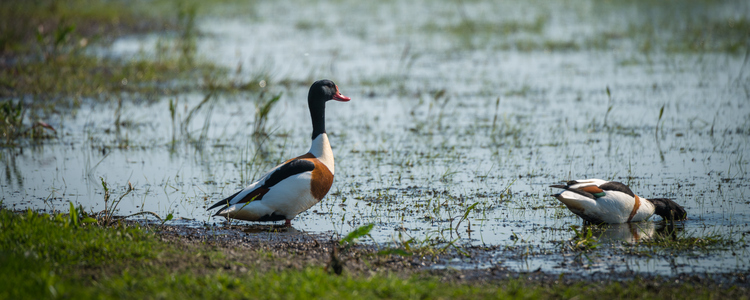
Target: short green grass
x,y
38,252
50,256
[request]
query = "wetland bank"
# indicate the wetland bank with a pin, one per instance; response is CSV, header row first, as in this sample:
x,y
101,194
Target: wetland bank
x,y
462,114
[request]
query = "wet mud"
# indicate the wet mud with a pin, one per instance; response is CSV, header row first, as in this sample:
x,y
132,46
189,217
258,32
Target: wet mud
x,y
289,248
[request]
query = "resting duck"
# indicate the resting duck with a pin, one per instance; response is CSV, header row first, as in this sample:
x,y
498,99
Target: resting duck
x,y
297,184
601,201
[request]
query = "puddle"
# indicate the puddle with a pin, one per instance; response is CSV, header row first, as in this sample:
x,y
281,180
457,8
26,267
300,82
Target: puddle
x,y
425,137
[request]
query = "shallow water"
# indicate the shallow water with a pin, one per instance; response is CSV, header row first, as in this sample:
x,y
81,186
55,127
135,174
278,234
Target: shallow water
x,y
424,137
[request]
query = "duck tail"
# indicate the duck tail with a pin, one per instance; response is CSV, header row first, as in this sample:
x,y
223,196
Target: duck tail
x,y
668,209
224,202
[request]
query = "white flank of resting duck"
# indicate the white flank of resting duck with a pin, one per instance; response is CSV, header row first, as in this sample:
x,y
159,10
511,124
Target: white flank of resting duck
x,y
297,184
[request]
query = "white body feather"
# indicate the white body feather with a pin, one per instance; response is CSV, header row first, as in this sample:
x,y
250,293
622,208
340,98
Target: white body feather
x,y
613,207
289,197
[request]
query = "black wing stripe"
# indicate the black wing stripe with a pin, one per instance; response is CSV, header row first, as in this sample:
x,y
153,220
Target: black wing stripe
x,y
289,169
617,186
225,201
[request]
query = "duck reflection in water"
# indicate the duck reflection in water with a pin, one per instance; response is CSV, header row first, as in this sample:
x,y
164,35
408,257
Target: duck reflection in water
x,y
632,233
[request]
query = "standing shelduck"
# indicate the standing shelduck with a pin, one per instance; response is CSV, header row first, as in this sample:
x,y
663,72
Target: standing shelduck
x,y
297,184
601,201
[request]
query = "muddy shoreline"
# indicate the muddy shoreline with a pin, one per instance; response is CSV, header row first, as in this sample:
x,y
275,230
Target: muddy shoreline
x,y
293,249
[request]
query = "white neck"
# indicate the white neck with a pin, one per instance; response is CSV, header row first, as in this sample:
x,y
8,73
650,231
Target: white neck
x,y
321,148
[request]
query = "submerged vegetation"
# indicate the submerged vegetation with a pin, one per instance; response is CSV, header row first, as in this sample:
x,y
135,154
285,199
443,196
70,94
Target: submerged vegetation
x,y
12,126
647,239
651,28
668,241
584,240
